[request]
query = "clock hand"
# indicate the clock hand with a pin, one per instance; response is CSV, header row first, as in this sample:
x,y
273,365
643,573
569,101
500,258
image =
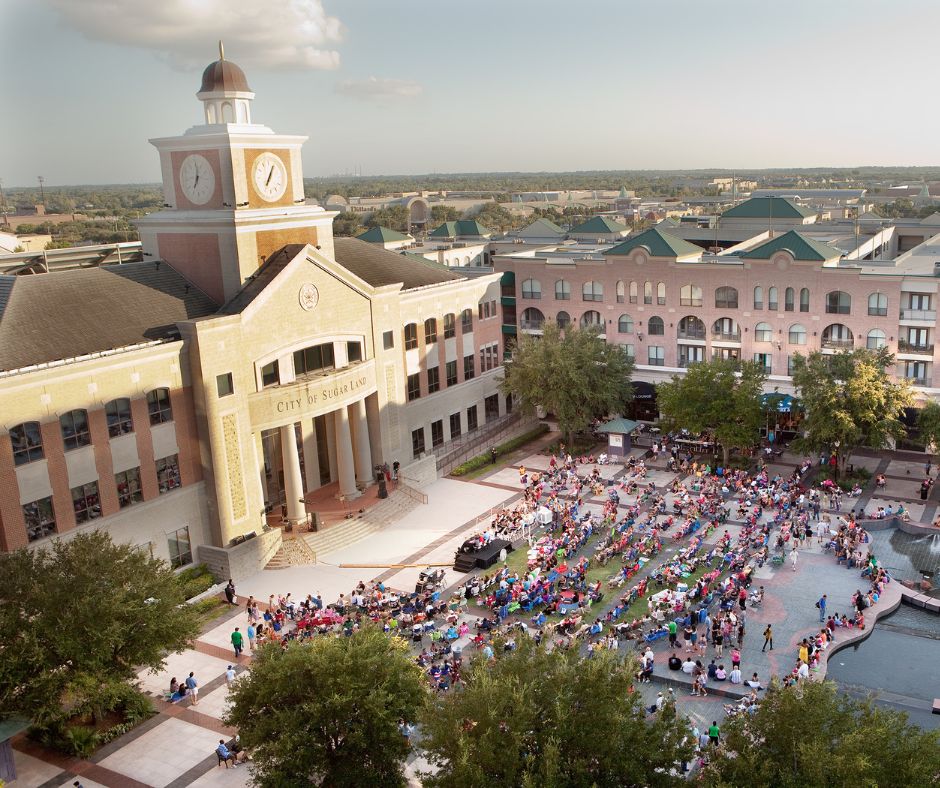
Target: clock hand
x,y
197,179
271,173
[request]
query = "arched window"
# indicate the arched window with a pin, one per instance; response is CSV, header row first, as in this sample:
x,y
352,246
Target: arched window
x,y
563,319
625,324
724,328
655,327
763,332
562,290
838,302
592,319
758,297
804,299
27,442
772,299
726,298
876,339
690,327
837,337
690,295
118,414
228,116
661,294
788,299
533,319
531,288
633,292
158,406
466,321
593,291
647,292
411,336
797,334
621,293
450,325
430,331
74,426
878,304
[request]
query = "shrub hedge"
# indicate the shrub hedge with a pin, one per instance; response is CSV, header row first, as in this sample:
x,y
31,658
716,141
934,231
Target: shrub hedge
x,y
481,460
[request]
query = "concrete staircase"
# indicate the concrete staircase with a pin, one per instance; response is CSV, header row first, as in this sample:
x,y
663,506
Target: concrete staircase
x,y
293,552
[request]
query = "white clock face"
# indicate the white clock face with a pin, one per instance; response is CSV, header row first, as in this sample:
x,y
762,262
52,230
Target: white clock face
x,y
197,179
269,176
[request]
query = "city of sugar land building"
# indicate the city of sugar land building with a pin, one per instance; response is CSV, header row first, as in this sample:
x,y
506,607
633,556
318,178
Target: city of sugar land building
x,y
247,360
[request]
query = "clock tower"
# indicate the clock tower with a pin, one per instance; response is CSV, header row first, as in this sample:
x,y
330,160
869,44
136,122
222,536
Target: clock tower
x,y
233,192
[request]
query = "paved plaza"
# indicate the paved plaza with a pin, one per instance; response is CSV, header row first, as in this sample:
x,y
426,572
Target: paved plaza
x,y
176,747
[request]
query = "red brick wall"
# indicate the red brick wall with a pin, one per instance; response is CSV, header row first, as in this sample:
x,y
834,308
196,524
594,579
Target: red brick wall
x,y
197,257
54,450
100,441
187,438
12,524
148,470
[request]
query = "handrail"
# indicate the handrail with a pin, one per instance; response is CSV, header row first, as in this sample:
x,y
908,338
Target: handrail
x,y
410,490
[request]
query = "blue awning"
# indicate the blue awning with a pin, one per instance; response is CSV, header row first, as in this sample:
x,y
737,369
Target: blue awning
x,y
784,401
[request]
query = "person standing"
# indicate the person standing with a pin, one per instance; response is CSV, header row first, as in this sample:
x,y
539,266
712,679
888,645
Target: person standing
x,y
237,642
821,604
251,633
714,733
230,675
230,592
193,686
794,557
768,638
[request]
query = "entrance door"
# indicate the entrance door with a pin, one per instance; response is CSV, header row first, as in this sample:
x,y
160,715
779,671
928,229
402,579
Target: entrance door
x,y
273,478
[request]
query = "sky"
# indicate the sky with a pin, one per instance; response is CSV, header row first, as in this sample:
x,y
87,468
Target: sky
x,y
420,86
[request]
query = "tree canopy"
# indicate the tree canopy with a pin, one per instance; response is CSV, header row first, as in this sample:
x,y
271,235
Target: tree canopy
x,y
850,400
554,718
814,735
83,613
928,424
721,397
325,711
572,374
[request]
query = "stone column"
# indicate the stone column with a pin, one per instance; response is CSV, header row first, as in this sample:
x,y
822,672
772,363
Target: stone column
x,y
357,412
293,483
344,454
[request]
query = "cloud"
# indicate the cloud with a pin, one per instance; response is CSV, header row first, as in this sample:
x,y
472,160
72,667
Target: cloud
x,y
374,88
272,34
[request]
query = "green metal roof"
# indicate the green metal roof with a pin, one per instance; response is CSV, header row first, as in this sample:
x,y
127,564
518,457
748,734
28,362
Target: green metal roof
x,y
768,208
460,227
619,426
598,224
797,244
657,243
546,225
382,235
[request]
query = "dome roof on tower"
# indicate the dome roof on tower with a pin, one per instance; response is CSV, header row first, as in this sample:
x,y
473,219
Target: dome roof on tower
x,y
224,76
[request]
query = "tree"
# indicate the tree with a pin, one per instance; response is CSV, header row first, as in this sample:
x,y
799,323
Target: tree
x,y
536,717
928,424
721,397
850,400
81,614
815,735
575,376
444,213
496,217
347,223
325,711
395,217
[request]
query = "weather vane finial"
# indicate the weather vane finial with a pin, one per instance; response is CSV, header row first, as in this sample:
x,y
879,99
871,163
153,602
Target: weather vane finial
x,y
221,50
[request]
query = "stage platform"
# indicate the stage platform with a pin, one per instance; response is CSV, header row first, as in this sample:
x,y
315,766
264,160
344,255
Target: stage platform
x,y
483,558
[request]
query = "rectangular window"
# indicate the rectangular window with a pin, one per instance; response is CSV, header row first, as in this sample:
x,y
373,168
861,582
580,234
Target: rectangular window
x,y
181,550
40,519
466,321
764,359
437,433
86,502
471,418
159,407
656,356
920,302
916,372
224,385
468,370
417,442
411,336
128,487
168,473
629,351
414,386
353,352
454,425
74,426
491,408
434,380
118,414
270,375
690,354
388,339
450,326
450,370
483,359
790,366
314,359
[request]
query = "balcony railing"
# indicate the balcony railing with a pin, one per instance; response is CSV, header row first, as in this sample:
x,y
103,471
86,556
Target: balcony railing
x,y
532,295
912,347
918,381
727,336
918,314
691,333
532,325
837,344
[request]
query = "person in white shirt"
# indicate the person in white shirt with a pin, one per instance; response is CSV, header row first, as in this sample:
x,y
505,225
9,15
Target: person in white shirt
x,y
735,677
803,671
688,666
229,675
